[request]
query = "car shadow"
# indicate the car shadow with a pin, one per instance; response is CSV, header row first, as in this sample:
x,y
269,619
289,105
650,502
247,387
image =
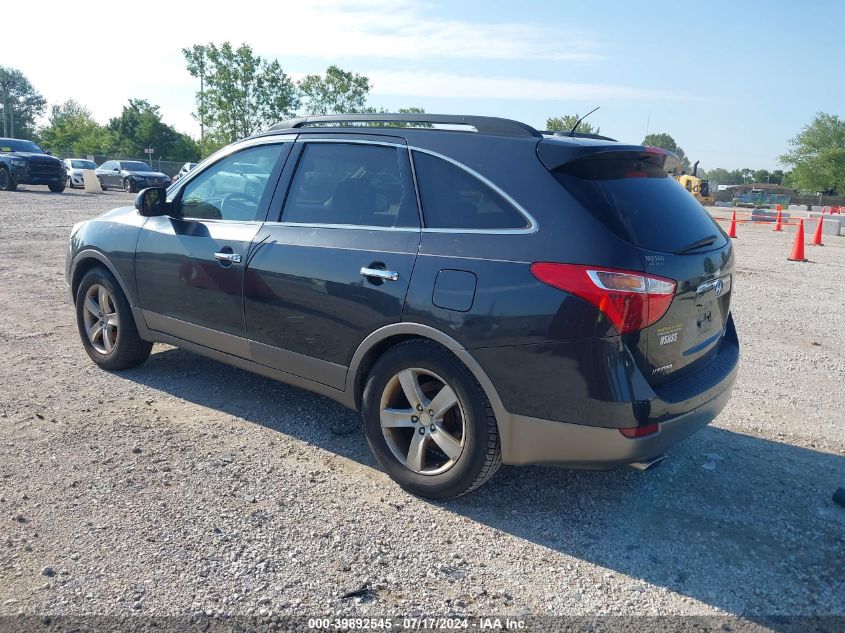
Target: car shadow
x,y
738,522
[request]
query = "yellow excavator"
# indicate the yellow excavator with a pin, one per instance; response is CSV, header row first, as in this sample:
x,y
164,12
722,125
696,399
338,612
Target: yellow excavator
x,y
698,187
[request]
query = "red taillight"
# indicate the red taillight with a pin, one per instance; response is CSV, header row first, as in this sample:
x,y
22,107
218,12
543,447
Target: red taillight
x,y
640,431
630,300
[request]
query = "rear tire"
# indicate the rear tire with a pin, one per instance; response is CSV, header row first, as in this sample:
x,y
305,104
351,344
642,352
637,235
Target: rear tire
x,y
7,181
439,456
106,325
56,188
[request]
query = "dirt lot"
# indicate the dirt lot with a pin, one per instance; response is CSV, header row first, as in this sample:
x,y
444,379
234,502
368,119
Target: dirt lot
x,y
186,486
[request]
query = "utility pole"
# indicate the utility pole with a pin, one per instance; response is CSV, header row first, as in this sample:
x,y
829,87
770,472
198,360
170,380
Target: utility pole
x,y
202,93
5,108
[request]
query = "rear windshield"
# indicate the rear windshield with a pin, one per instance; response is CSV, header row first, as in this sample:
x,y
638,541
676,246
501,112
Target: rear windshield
x,y
639,201
133,166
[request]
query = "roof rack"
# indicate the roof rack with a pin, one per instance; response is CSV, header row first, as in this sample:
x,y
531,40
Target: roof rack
x,y
482,124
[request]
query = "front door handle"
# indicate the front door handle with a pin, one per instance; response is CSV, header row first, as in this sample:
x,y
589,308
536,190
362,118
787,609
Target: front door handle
x,y
379,273
232,258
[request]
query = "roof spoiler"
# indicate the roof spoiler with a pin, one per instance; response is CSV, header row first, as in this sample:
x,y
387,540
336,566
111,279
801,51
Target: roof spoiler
x,y
555,155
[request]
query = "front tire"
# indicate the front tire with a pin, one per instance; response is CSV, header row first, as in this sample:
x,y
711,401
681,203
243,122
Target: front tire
x,y
7,181
57,188
128,186
106,325
429,423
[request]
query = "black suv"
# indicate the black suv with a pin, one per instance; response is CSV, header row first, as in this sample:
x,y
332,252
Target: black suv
x,y
481,291
24,163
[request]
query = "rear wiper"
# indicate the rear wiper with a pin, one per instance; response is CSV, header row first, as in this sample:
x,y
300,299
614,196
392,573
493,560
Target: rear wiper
x,y
704,241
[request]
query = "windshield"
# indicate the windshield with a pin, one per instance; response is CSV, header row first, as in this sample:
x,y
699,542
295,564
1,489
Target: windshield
x,y
130,165
82,164
17,145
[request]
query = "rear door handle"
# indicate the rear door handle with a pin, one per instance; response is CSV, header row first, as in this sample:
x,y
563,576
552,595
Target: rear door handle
x,y
232,258
379,273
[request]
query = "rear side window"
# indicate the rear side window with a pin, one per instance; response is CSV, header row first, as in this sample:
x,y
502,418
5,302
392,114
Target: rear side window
x,y
352,184
452,198
639,201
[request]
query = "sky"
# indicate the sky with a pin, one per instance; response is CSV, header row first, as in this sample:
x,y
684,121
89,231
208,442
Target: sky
x,y
732,82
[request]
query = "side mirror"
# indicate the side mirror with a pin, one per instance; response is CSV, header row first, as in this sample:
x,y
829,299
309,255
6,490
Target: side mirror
x,y
116,169
151,202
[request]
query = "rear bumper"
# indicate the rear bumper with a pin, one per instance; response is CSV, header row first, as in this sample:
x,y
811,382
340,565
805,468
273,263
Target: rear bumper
x,y
565,410
534,441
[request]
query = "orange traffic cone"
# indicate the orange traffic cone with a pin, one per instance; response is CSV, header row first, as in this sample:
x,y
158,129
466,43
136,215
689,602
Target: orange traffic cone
x,y
817,235
778,226
798,246
732,228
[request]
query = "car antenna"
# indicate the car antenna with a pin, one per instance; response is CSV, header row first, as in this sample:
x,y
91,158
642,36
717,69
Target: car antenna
x,y
578,122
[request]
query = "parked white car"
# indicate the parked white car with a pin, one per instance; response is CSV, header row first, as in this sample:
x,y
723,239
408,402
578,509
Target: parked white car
x,y
184,170
74,167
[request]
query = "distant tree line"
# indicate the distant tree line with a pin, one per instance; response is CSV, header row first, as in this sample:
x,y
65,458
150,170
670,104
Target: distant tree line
x,y
71,129
242,93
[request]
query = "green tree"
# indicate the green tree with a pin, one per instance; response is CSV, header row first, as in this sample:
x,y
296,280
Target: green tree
x,y
71,129
817,155
337,92
140,126
720,176
566,122
665,141
241,92
776,177
20,104
761,175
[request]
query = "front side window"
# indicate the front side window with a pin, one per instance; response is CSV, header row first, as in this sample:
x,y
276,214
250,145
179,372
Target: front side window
x,y
352,184
452,198
224,192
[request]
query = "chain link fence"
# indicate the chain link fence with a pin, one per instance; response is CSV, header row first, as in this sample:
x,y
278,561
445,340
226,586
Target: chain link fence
x,y
168,167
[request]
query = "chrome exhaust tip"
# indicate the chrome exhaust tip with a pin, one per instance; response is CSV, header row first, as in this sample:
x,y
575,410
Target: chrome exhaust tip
x,y
648,464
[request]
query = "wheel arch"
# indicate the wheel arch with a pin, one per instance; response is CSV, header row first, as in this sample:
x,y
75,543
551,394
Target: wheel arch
x,y
86,260
377,343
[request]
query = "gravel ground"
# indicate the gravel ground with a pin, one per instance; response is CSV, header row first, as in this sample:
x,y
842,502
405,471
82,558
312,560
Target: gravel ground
x,y
187,486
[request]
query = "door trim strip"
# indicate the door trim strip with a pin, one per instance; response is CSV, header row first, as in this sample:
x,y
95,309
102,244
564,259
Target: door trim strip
x,y
293,363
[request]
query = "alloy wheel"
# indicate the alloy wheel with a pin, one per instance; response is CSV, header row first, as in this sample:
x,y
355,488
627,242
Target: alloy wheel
x,y
101,318
423,421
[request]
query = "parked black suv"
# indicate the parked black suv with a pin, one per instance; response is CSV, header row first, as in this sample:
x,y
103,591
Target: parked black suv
x,y
24,163
485,293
